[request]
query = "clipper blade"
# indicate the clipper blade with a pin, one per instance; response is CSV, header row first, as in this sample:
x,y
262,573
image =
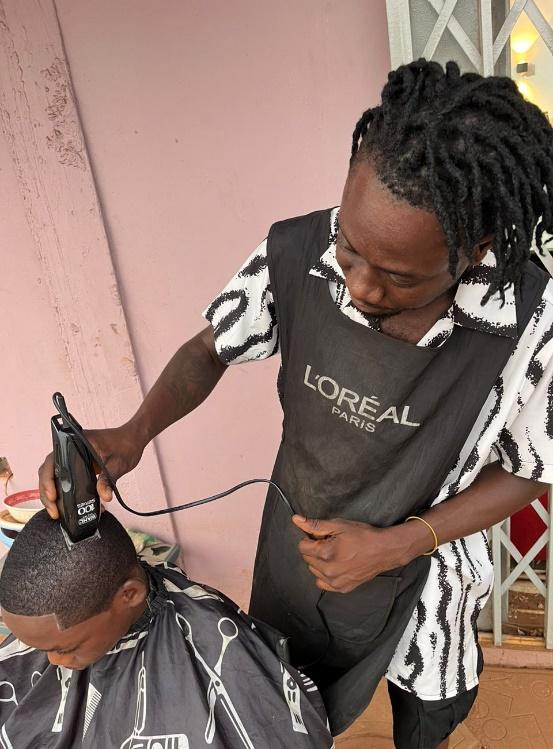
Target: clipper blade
x,y
71,544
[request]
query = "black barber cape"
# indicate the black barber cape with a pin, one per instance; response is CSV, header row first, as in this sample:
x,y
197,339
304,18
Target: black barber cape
x,y
194,672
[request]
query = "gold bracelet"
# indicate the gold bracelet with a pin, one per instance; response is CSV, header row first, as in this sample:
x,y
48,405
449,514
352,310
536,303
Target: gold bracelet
x,y
431,529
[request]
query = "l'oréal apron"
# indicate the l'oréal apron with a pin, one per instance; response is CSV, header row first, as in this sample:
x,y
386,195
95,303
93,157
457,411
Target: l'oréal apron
x,y
372,426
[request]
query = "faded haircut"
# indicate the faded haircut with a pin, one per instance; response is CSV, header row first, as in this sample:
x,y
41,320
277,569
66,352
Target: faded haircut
x,y
42,576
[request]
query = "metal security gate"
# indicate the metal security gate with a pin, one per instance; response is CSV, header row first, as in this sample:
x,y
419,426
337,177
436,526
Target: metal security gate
x,y
477,34
473,31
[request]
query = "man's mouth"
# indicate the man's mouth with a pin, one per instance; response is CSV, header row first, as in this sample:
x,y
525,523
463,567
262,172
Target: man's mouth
x,y
369,309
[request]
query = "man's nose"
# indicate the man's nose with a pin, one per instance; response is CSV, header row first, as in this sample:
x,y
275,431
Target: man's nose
x,y
366,286
60,659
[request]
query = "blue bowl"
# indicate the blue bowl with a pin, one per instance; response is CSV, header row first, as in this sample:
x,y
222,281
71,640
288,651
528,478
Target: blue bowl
x,y
5,540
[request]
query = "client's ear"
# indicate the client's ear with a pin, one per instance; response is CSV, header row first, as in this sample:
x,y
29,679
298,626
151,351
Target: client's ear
x,y
131,594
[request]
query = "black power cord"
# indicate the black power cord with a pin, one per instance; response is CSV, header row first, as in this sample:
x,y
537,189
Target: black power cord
x,y
78,432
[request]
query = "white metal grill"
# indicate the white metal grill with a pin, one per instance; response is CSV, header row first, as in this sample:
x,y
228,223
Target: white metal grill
x,y
479,31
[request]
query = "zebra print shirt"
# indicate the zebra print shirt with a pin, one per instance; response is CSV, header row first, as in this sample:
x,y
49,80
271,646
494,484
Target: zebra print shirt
x,y
437,655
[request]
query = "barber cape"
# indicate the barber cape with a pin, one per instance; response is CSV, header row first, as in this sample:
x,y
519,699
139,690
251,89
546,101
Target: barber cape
x,y
195,671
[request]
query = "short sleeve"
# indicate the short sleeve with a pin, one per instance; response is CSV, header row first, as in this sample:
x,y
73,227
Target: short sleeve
x,y
243,314
525,444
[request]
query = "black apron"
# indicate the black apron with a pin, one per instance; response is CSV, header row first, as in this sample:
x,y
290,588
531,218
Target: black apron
x,y
372,426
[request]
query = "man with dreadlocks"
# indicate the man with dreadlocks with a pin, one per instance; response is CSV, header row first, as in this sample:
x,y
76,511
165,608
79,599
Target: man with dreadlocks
x,y
416,338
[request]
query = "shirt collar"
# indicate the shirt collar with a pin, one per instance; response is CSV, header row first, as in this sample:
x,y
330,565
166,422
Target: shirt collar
x,y
154,603
468,311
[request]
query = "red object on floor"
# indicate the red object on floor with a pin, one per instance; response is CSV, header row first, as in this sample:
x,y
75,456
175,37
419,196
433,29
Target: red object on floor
x,y
527,527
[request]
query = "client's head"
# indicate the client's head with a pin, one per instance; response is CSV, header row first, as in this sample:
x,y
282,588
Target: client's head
x,y
73,604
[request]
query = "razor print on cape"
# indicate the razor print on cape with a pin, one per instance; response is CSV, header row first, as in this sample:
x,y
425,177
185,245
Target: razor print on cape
x,y
292,695
136,740
64,677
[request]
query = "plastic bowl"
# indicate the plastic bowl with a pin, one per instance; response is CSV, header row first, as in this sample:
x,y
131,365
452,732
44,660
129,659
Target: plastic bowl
x,y
5,539
23,505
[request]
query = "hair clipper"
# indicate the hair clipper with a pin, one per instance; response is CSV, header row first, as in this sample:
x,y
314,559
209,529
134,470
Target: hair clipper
x,y
75,459
78,502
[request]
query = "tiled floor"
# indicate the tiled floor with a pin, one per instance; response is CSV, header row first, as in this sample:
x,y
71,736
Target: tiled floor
x,y
514,710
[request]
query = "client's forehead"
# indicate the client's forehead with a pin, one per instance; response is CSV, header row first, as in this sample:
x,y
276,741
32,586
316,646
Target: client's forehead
x,y
43,632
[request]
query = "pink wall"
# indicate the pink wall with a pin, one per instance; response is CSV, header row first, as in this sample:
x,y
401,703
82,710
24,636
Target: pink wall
x,y
32,360
205,123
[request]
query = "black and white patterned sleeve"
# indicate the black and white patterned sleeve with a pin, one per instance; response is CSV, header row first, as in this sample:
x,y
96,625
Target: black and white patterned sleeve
x,y
525,444
243,314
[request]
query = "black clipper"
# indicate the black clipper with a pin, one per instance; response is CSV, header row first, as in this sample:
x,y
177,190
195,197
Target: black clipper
x,y
78,502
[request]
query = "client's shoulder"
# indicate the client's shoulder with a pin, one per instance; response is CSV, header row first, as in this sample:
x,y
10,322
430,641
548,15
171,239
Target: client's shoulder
x,y
175,582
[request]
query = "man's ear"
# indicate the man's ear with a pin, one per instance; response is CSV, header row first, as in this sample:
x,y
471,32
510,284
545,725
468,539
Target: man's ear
x,y
131,594
481,249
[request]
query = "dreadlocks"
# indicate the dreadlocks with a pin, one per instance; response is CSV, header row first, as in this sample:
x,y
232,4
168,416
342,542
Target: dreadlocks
x,y
470,149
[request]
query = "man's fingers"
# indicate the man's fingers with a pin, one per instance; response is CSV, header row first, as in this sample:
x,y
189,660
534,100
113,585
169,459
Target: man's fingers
x,y
50,507
328,583
327,572
319,575
317,528
104,489
47,486
325,586
322,550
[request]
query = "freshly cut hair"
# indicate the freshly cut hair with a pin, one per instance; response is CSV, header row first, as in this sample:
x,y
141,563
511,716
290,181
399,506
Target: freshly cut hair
x,y
42,576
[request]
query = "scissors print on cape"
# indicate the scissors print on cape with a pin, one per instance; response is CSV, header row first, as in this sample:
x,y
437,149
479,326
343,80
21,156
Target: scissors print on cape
x,y
216,689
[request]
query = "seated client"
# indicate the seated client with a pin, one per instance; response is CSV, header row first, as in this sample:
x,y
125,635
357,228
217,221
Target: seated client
x,y
107,652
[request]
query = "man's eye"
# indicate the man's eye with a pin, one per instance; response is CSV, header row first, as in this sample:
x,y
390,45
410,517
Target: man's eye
x,y
345,248
401,281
